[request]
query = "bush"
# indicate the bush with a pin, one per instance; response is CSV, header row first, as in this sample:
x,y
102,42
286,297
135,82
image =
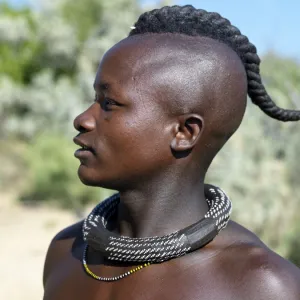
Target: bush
x,y
52,175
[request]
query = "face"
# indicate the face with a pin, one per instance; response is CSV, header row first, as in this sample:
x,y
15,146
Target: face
x,y
125,129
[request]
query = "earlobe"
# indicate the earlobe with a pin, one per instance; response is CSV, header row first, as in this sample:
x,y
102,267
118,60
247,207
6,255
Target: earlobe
x,y
180,144
188,132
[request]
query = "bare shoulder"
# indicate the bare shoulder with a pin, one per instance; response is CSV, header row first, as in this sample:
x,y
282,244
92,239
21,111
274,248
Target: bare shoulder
x,y
261,272
272,275
61,246
257,272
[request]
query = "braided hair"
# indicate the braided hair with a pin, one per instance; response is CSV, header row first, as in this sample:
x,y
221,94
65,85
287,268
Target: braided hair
x,y
197,22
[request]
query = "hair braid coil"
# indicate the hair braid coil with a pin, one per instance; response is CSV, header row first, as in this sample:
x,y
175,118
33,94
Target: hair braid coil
x,y
198,22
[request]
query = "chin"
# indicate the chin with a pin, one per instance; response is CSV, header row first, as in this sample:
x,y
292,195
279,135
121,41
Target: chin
x,y
87,176
93,178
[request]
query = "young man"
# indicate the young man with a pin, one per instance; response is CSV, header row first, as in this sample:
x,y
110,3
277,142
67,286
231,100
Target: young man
x,y
168,98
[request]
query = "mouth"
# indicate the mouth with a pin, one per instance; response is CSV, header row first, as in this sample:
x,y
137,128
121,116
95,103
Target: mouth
x,y
84,150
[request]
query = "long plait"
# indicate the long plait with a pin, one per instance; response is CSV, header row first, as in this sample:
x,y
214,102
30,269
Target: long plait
x,y
197,22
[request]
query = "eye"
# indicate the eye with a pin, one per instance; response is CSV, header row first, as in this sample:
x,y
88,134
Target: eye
x,y
105,102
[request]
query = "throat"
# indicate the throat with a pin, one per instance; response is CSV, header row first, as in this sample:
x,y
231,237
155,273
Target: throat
x,y
157,218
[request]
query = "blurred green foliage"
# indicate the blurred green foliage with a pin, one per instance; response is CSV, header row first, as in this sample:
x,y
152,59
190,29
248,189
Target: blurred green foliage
x,y
258,167
52,174
48,59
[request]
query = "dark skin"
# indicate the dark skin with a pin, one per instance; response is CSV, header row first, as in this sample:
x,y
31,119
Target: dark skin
x,y
164,107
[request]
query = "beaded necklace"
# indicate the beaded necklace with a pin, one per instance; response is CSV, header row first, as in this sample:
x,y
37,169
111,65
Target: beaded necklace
x,y
115,278
152,249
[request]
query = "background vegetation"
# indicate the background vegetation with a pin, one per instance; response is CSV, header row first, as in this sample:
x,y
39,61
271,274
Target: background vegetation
x,y
48,58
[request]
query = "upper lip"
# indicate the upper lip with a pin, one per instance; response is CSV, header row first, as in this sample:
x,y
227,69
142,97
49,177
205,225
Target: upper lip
x,y
81,143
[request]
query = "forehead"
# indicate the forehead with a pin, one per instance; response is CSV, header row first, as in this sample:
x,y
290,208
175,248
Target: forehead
x,y
126,61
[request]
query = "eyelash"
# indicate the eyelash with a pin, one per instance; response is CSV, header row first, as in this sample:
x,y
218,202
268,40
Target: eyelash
x,y
107,101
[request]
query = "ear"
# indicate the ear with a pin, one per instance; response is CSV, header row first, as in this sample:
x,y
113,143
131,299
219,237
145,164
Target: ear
x,y
187,132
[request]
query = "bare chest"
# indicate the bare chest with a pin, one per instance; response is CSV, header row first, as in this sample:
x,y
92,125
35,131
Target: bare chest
x,y
184,278
69,281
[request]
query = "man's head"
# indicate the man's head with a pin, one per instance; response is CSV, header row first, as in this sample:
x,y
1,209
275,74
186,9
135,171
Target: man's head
x,y
165,101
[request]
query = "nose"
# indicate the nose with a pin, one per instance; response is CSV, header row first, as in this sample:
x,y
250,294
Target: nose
x,y
85,121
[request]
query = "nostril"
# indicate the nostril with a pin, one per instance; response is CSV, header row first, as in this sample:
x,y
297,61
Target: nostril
x,y
81,129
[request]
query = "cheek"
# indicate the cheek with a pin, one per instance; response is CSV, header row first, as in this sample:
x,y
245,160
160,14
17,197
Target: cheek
x,y
140,146
135,136
131,136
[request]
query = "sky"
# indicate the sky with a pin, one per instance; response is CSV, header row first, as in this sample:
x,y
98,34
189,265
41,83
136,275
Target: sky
x,y
269,24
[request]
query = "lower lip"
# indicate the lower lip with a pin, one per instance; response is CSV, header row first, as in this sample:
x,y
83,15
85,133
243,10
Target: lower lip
x,y
80,153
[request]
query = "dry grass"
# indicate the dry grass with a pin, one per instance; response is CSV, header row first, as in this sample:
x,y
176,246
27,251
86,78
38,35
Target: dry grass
x,y
25,234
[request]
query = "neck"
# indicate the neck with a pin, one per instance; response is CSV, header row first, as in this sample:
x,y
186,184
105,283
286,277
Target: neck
x,y
161,208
